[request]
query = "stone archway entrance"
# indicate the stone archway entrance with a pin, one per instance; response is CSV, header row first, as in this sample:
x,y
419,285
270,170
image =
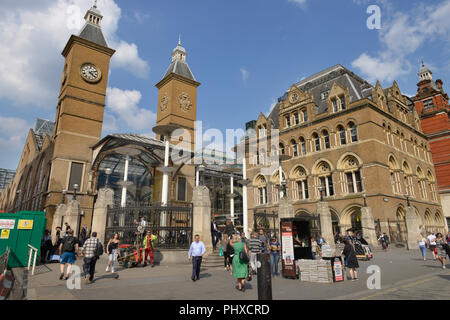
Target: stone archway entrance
x,y
351,218
356,220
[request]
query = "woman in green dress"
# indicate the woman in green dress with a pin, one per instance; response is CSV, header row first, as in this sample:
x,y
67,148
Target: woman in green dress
x,y
240,268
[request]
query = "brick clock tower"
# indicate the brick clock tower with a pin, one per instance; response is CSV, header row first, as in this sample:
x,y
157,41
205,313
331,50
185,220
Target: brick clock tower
x,y
177,98
79,113
431,103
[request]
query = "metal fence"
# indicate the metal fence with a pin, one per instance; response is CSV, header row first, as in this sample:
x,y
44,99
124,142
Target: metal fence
x,y
397,231
266,221
171,224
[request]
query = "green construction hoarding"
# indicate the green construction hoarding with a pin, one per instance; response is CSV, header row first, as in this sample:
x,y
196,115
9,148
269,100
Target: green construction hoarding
x,y
17,231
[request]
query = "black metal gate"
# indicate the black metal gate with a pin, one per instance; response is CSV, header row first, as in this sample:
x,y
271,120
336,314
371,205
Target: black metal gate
x,y
397,231
266,221
175,233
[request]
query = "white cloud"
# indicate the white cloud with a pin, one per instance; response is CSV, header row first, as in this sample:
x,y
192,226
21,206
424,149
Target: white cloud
x,y
31,64
298,1
127,57
245,74
125,105
402,35
141,17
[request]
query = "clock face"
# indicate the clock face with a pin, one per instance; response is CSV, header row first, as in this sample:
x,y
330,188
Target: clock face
x,y
294,97
90,72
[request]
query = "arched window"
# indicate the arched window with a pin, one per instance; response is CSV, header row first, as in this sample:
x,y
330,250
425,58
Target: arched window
x,y
316,140
323,171
342,135
422,183
303,145
300,185
326,139
294,148
353,132
305,115
351,167
395,175
432,183
408,179
261,190
282,151
296,118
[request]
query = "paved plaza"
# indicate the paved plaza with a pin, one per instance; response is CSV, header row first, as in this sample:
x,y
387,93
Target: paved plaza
x,y
404,275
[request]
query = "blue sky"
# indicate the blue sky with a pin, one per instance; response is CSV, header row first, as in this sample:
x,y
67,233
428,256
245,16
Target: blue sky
x,y
245,54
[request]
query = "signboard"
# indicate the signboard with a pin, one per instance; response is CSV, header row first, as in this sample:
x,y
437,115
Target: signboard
x,y
7,223
5,234
25,224
338,274
287,245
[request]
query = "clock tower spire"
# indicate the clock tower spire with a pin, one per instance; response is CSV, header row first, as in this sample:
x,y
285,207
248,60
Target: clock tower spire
x,y
177,99
79,111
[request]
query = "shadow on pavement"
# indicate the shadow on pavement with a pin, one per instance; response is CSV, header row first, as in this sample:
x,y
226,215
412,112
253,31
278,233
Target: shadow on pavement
x,y
41,269
106,276
445,276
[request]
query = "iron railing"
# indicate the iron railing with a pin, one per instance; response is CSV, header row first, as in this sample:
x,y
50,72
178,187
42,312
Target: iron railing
x,y
172,224
397,231
268,222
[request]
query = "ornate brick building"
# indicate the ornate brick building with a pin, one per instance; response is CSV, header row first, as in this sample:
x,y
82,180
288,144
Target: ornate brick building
x,y
431,103
351,139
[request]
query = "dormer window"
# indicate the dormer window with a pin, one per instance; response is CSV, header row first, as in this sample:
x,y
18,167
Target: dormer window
x,y
335,106
428,104
324,94
343,106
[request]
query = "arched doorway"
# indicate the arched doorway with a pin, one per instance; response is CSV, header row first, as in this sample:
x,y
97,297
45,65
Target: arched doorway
x,y
335,223
356,220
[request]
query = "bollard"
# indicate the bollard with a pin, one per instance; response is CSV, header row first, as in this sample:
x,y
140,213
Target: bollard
x,y
264,277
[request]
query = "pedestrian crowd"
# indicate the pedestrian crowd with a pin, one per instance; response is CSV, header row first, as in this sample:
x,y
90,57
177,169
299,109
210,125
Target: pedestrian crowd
x,y
437,244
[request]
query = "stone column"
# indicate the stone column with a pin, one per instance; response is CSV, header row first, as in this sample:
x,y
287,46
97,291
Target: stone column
x,y
326,226
285,211
59,213
72,216
105,198
368,226
202,216
412,226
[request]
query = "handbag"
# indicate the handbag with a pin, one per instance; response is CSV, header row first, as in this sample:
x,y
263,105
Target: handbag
x,y
243,257
221,252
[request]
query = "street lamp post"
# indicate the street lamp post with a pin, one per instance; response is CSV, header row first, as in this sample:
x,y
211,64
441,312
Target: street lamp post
x,y
283,183
75,188
108,172
407,200
321,193
63,196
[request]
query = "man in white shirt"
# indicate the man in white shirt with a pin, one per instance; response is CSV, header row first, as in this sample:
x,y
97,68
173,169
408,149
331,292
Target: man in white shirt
x,y
196,252
432,243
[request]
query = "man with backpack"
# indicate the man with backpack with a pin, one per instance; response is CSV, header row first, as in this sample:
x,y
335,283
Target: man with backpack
x,y
67,250
92,250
